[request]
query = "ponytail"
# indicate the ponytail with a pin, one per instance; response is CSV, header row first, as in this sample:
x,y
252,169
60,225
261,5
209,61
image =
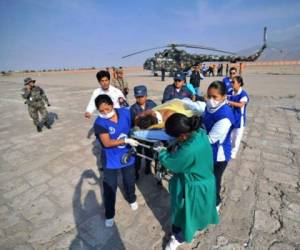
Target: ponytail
x,y
178,124
195,122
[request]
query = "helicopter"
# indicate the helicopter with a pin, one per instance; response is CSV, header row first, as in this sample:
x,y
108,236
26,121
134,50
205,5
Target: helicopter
x,y
173,60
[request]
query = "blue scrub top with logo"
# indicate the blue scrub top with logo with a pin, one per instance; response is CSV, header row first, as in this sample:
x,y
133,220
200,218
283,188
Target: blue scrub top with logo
x,y
111,157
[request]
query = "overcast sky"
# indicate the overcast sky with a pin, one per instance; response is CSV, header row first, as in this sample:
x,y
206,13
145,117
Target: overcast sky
x,y
38,34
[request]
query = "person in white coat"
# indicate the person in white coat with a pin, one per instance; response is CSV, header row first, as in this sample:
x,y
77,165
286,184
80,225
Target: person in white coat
x,y
106,88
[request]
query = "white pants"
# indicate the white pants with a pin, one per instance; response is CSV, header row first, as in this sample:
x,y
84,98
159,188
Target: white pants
x,y
236,138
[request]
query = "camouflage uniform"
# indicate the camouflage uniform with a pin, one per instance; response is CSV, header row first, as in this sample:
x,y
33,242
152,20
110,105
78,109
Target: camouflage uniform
x,y
121,84
35,99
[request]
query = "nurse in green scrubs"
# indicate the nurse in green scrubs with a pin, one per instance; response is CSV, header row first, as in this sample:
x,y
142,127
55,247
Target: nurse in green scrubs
x,y
192,187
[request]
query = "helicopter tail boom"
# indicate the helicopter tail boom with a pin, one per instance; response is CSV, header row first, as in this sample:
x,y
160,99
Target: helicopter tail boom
x,y
265,36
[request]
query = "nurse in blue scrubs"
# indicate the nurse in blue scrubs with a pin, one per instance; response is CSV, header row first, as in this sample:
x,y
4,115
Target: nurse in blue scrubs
x,y
111,129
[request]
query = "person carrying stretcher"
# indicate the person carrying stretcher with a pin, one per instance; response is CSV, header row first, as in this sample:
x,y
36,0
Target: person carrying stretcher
x,y
142,104
192,187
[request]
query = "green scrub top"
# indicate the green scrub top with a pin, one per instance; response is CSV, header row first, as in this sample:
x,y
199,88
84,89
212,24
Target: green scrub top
x,y
192,187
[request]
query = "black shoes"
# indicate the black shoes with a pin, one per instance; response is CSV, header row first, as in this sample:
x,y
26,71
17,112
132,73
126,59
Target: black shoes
x,y
47,125
38,128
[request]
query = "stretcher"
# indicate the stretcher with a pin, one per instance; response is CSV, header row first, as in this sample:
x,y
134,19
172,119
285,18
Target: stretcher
x,y
152,140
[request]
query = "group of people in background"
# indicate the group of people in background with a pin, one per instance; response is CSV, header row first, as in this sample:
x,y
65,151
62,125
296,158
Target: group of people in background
x,y
218,69
205,145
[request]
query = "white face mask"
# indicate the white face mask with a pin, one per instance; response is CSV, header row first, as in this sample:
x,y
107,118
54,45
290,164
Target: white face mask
x,y
108,115
212,103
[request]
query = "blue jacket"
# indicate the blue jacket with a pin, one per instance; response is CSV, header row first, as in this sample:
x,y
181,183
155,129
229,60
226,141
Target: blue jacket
x,y
171,93
195,79
228,82
238,111
210,119
136,109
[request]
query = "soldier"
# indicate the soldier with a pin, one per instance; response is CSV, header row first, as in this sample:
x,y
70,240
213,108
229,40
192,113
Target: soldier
x,y
120,83
227,69
195,78
241,68
35,99
163,72
113,74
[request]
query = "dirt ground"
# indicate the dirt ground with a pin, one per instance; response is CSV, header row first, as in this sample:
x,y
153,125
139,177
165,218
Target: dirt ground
x,y
51,189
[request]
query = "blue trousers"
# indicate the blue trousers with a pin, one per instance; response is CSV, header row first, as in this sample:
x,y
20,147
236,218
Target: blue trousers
x,y
110,184
177,232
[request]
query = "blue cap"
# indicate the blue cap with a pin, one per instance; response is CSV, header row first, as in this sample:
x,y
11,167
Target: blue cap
x,y
140,90
179,76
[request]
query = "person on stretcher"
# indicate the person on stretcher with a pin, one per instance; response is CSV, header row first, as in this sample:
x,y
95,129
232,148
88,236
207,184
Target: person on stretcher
x,y
156,117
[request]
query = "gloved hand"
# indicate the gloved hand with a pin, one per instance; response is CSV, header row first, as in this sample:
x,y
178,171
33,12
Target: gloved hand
x,y
159,148
131,142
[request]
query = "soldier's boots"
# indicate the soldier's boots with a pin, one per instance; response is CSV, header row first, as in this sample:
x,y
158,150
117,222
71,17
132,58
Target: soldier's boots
x,y
39,128
47,125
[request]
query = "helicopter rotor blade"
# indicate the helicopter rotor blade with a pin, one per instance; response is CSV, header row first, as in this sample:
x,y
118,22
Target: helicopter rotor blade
x,y
144,50
204,47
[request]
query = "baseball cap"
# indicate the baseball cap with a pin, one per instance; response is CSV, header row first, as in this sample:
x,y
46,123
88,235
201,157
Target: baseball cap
x,y
179,76
140,90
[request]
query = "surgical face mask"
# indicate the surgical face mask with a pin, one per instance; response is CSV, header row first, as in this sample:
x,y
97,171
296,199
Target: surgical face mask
x,y
212,103
108,115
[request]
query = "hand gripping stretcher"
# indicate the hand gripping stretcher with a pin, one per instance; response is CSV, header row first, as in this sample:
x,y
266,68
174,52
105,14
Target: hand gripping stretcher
x,y
152,140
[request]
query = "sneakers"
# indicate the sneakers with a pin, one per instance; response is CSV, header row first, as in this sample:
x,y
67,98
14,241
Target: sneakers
x,y
173,243
233,155
109,222
134,206
218,209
